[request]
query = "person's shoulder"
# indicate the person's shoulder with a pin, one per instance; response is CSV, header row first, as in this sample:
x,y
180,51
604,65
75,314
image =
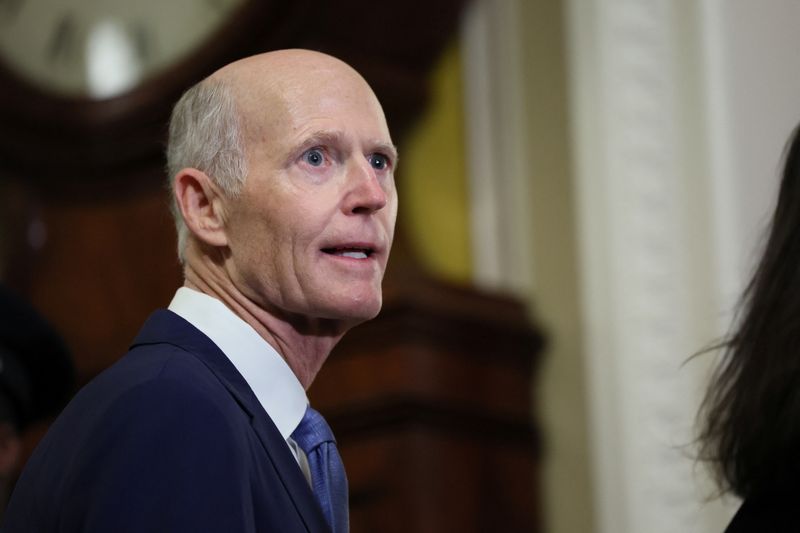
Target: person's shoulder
x,y
159,389
168,376
775,511
158,420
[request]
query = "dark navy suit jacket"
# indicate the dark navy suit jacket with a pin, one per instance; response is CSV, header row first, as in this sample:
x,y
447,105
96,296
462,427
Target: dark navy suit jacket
x,y
169,439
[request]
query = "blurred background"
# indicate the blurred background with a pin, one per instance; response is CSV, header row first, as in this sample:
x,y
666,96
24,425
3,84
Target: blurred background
x,y
583,188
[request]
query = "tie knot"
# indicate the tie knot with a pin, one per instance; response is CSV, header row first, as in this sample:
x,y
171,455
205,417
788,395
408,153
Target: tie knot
x,y
312,431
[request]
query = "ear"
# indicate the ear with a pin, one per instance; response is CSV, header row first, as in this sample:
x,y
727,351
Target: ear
x,y
202,204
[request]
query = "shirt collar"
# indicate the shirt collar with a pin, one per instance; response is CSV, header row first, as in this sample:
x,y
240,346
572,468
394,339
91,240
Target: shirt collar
x,y
269,376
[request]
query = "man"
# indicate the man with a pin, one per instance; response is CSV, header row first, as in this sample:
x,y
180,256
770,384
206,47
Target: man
x,y
282,178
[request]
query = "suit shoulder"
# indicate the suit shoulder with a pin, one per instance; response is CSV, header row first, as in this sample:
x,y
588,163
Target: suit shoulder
x,y
163,381
152,393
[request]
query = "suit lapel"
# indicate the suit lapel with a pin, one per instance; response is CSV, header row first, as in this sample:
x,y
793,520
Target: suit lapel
x,y
166,327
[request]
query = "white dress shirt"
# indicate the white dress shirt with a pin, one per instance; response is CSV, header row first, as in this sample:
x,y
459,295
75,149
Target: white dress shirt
x,y
269,376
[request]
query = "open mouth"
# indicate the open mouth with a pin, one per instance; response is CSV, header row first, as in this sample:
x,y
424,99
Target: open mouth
x,y
352,253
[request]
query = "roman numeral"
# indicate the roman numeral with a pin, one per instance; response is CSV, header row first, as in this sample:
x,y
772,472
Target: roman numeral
x,y
142,40
63,42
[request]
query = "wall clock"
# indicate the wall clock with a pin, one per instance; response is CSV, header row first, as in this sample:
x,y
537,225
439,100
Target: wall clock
x,y
86,85
103,49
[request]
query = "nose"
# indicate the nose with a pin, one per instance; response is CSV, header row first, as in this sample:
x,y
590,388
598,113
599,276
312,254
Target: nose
x,y
365,194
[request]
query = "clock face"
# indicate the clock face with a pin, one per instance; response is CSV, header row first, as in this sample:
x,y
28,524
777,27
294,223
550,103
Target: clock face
x,y
102,48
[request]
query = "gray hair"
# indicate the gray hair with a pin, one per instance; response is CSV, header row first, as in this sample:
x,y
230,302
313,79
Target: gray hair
x,y
205,132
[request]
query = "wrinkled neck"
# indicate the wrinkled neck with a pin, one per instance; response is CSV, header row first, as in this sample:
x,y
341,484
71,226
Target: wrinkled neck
x,y
303,342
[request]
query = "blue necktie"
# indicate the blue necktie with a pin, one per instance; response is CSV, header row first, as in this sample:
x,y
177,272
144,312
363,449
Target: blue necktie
x,y
328,479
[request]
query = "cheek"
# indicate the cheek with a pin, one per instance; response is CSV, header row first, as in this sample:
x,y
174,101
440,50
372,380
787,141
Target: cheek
x,y
391,215
254,235
313,213
294,231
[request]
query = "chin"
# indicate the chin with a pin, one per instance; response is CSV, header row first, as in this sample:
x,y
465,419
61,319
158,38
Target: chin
x,y
354,311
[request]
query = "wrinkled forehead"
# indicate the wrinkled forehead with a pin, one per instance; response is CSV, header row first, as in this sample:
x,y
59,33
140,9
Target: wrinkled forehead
x,y
309,97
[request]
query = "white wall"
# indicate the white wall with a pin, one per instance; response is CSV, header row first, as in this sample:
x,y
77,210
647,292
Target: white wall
x,y
681,110
753,97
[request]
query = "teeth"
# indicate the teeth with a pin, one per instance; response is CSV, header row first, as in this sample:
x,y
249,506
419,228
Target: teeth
x,y
352,253
355,255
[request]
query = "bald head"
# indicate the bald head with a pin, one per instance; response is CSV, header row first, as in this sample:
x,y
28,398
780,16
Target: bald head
x,y
283,70
218,122
270,89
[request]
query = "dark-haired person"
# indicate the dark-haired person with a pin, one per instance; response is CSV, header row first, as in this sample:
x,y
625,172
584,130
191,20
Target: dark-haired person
x,y
751,413
282,180
36,379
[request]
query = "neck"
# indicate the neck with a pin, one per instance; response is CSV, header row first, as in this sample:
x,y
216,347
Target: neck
x,y
303,342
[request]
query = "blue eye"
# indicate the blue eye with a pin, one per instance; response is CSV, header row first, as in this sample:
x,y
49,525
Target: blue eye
x,y
379,161
314,157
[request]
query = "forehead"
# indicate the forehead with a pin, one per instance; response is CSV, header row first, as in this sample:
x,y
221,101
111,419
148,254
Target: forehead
x,y
286,109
